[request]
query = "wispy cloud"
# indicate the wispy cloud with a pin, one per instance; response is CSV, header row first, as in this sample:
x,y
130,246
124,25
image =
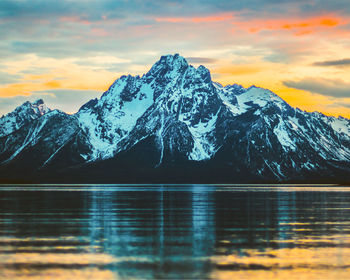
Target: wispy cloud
x,y
334,88
197,19
6,78
198,60
339,62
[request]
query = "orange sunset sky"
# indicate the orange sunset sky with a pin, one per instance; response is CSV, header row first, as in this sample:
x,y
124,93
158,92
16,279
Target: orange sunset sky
x,y
68,52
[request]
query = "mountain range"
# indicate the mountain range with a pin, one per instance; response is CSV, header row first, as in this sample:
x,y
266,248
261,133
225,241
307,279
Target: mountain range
x,y
174,125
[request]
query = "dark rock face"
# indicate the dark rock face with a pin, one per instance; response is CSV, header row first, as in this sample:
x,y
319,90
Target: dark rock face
x,y
174,124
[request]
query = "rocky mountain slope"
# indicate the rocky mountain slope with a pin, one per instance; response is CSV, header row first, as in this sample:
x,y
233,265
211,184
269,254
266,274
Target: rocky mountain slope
x,y
174,124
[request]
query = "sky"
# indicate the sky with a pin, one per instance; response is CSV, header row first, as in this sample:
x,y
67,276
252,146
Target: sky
x,y
68,52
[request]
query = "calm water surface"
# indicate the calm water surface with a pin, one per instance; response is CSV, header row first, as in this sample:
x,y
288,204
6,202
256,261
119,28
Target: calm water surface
x,y
187,232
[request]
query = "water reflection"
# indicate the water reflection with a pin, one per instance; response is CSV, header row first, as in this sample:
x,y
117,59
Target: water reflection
x,y
285,217
172,232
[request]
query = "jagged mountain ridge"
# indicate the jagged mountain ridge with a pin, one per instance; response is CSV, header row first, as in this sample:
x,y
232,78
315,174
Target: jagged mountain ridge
x,y
22,115
177,117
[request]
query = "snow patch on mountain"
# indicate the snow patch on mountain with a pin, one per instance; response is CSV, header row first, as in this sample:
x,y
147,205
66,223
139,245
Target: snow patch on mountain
x,y
239,100
340,125
115,114
281,131
257,96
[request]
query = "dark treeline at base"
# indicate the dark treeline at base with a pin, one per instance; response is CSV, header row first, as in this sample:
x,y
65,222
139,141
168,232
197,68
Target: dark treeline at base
x,y
111,172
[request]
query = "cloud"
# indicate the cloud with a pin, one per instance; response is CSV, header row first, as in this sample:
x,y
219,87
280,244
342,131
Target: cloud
x,y
201,60
333,88
64,74
234,70
345,104
340,62
103,60
204,19
295,24
120,28
6,78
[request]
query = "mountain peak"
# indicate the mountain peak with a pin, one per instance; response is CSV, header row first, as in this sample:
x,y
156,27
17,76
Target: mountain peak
x,y
174,60
39,107
22,115
168,63
38,102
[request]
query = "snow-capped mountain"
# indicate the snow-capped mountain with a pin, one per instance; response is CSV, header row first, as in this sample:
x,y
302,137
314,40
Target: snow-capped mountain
x,y
22,115
175,122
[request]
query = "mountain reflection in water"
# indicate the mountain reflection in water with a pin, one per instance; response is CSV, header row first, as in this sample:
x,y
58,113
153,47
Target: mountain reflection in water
x,y
197,231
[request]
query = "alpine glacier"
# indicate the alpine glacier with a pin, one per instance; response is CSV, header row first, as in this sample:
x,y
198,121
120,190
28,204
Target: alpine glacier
x,y
174,124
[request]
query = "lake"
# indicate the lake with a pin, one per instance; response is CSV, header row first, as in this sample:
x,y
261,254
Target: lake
x,y
174,231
